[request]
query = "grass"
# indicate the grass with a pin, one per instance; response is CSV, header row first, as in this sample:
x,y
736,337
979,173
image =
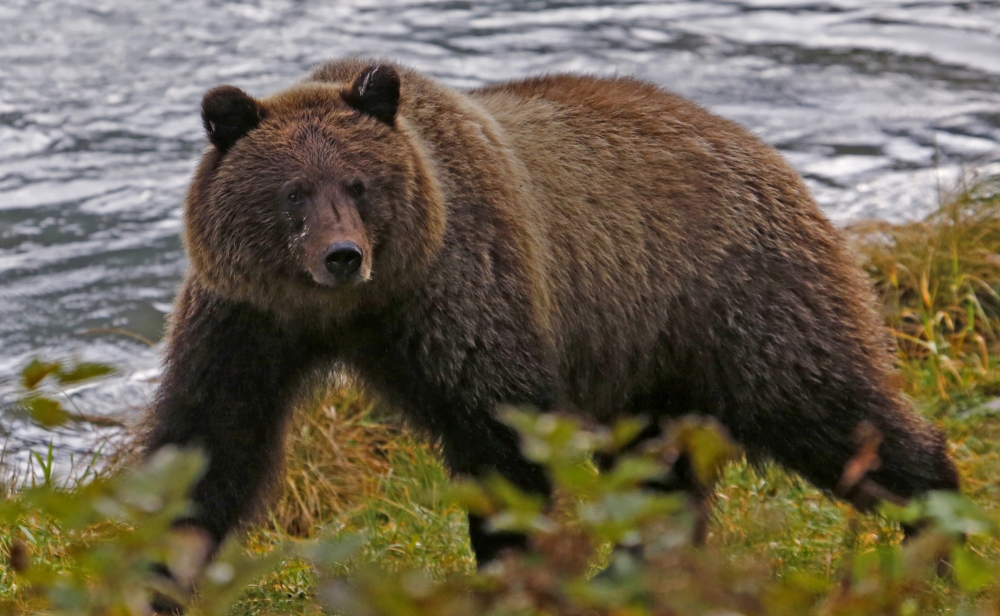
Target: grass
x,y
938,282
349,469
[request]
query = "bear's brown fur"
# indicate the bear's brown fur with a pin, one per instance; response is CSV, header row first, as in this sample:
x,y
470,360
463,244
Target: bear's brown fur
x,y
562,241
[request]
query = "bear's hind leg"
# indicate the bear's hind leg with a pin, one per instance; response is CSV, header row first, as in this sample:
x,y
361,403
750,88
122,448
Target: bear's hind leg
x,y
795,361
820,444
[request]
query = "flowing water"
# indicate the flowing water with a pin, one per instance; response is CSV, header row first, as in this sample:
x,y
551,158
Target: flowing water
x,y
879,103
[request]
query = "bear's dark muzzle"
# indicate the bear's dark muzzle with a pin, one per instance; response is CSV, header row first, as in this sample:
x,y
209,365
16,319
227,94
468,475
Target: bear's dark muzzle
x,y
343,259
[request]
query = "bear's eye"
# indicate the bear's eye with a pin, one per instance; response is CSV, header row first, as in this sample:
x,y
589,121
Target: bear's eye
x,y
356,189
296,197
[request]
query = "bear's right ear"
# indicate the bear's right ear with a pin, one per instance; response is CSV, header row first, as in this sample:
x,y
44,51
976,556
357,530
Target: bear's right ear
x,y
375,92
228,114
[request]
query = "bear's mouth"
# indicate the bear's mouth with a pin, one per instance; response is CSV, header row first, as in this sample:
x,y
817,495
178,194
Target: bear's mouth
x,y
306,279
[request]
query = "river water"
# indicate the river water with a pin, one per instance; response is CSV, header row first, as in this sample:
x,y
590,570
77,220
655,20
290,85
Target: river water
x,y
878,103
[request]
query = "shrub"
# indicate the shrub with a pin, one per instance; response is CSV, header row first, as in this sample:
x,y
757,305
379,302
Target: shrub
x,y
114,531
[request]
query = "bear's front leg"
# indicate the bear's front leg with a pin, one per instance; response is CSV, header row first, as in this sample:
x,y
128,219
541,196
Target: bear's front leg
x,y
231,373
483,448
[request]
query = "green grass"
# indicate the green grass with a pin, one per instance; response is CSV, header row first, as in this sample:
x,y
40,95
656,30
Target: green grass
x,y
760,514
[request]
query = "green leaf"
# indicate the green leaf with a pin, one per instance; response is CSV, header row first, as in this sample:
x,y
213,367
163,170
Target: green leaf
x,y
226,579
956,514
327,553
912,512
162,480
84,371
45,411
630,472
470,495
36,371
520,511
798,593
971,571
577,479
626,430
707,448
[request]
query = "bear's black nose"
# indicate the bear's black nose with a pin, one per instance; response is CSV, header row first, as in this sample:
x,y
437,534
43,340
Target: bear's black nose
x,y
343,259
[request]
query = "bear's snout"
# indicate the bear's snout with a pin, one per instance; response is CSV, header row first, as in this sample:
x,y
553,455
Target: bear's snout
x,y
343,260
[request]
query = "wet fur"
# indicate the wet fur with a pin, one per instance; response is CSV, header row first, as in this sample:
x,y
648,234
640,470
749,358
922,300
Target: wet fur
x,y
563,241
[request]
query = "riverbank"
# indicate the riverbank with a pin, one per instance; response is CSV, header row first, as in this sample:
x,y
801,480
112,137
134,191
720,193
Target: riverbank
x,y
352,469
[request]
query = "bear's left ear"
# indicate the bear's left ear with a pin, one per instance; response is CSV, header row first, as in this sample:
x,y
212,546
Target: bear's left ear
x,y
376,93
229,114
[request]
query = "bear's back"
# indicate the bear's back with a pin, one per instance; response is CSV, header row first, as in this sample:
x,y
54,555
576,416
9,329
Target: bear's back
x,y
622,155
656,209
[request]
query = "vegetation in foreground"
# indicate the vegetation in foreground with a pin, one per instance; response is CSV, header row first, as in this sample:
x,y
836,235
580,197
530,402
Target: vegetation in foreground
x,y
368,523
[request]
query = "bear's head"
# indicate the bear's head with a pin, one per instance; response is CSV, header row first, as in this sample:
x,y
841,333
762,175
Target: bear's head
x,y
321,195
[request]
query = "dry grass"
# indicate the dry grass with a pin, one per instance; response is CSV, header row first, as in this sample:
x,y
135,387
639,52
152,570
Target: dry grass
x,y
349,468
339,457
937,280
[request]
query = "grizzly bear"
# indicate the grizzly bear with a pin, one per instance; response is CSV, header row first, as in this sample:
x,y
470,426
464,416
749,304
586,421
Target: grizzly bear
x,y
561,242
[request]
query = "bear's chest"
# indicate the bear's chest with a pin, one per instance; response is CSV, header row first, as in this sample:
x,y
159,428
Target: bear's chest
x,y
432,371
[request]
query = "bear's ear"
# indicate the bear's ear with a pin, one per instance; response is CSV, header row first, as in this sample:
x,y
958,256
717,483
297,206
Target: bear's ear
x,y
228,114
376,93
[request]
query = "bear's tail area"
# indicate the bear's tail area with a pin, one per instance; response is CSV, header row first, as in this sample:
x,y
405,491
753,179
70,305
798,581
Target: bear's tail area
x,y
914,457
896,463
866,447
